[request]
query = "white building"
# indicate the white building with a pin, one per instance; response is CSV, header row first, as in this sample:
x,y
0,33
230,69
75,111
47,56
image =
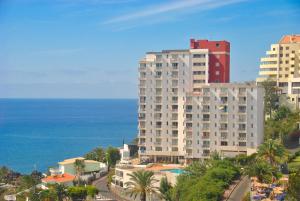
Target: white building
x,y
177,107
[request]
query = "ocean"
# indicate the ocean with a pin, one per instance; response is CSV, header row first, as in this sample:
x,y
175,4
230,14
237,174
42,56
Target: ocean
x,y
37,133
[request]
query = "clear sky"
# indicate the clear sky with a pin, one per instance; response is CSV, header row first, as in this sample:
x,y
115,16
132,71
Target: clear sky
x,y
91,48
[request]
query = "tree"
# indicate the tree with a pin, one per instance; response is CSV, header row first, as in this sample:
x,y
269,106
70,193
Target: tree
x,y
91,191
271,97
141,183
61,191
262,170
293,191
281,113
79,168
98,154
165,189
197,169
27,182
273,151
77,193
112,156
47,195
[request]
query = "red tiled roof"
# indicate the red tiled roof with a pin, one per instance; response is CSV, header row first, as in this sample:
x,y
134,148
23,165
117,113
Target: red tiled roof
x,y
290,39
59,178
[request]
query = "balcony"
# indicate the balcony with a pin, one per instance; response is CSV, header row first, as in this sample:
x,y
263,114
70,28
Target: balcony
x,y
205,119
206,128
242,102
224,119
242,110
205,137
242,128
205,146
142,118
157,143
242,120
142,143
188,110
242,138
223,128
189,119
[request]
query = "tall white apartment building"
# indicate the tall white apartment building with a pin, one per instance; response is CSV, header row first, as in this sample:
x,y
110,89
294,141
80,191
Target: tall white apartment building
x,y
182,116
282,65
227,118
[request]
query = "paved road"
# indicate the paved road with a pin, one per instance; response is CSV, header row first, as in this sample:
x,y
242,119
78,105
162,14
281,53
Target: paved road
x,y
101,185
239,192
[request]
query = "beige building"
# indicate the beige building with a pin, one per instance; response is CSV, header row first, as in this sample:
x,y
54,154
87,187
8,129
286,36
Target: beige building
x,y
67,167
282,65
182,117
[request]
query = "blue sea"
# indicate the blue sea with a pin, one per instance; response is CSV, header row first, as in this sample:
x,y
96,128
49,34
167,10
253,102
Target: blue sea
x,y
37,133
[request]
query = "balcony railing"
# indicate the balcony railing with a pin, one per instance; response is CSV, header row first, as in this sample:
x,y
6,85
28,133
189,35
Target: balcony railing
x,y
242,138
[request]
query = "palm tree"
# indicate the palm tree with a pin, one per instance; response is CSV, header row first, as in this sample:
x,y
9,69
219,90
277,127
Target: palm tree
x,y
79,168
272,151
262,170
141,183
61,192
165,189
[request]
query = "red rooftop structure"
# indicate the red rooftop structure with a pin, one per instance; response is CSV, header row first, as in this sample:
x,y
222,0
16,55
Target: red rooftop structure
x,y
219,59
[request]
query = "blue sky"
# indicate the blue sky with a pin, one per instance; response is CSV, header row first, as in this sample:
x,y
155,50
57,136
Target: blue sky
x,y
91,48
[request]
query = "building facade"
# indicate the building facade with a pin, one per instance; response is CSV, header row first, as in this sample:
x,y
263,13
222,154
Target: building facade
x,y
218,59
282,65
171,89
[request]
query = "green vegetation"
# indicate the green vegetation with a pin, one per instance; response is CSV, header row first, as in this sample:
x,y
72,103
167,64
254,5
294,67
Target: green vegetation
x,y
294,162
294,186
271,97
97,154
272,151
212,177
165,189
79,168
141,184
112,156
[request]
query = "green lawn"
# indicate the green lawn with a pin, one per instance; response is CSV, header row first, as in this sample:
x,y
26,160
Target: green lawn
x,y
295,164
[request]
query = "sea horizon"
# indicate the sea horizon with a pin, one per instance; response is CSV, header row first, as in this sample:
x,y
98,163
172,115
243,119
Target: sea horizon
x,y
36,133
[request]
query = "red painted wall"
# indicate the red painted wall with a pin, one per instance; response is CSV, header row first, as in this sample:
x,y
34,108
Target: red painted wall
x,y
220,48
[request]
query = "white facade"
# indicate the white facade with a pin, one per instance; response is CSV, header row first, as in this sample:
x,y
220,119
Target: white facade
x,y
168,125
227,118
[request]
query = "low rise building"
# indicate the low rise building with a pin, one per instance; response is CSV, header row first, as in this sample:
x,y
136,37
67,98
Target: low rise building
x,y
63,179
170,171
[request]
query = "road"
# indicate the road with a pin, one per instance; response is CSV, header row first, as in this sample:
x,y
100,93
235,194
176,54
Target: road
x,y
101,185
242,188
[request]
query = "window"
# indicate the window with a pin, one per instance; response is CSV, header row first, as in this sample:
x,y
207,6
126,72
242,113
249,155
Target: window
x,y
174,64
224,143
198,55
217,64
199,64
217,45
217,72
199,72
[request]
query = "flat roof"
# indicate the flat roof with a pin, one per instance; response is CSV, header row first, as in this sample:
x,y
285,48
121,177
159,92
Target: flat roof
x,y
294,38
59,178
